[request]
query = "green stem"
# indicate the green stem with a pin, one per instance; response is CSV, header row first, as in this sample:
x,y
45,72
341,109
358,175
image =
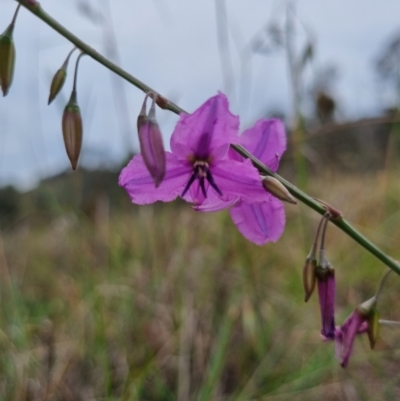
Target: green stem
x,y
341,223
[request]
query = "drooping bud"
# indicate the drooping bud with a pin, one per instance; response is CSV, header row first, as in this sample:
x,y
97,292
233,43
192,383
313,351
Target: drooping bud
x,y
373,328
72,130
277,189
72,123
151,144
59,78
7,56
309,277
326,287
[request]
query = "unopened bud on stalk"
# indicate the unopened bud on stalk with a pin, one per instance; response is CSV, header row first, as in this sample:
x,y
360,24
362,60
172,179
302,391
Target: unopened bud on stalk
x,y
7,56
72,130
373,328
309,277
277,189
151,143
59,78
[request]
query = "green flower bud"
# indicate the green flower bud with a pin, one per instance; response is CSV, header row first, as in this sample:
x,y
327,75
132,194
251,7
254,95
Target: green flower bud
x,y
59,78
309,277
57,83
277,189
7,55
373,328
72,130
7,59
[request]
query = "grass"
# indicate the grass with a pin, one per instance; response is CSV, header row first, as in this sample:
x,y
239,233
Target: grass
x,y
162,303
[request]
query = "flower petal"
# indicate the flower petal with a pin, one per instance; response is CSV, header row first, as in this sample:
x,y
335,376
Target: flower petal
x,y
345,336
236,179
211,126
266,140
213,203
260,222
136,180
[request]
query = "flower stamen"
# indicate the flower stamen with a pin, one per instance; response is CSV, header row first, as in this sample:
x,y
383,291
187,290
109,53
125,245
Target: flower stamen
x,y
201,170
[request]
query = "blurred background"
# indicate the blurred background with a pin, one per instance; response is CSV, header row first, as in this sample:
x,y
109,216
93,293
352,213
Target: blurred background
x,y
101,299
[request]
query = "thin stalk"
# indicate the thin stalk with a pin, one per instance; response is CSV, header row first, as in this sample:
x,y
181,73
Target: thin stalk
x,y
76,71
341,223
15,15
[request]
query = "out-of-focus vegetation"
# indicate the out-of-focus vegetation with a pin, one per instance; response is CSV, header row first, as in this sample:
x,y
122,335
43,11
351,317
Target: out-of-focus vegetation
x,y
102,299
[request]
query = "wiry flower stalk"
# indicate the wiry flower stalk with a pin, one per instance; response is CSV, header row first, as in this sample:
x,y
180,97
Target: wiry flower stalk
x,y
310,265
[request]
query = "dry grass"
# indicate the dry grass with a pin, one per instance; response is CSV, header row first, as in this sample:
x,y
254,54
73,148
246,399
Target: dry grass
x,y
162,303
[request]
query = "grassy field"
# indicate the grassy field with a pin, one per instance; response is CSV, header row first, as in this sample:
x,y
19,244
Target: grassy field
x,y
119,302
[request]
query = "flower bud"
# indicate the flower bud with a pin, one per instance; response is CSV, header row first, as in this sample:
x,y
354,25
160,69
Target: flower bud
x,y
7,59
277,189
57,83
59,78
72,130
373,328
309,277
151,145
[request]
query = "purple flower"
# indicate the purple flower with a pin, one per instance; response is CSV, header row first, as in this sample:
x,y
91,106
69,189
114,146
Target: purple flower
x,y
364,319
259,222
345,334
198,166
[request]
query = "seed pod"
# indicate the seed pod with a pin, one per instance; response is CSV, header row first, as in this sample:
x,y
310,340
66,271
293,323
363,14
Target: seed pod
x,y
277,189
72,130
7,59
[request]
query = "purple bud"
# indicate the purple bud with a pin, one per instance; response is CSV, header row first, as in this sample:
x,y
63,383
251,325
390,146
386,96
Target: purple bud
x,y
151,145
326,293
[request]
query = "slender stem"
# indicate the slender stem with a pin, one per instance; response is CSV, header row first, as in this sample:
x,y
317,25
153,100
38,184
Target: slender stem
x,y
389,323
341,223
381,283
76,71
65,64
15,15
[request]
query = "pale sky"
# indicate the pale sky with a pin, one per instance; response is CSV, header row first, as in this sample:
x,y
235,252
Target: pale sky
x,y
172,46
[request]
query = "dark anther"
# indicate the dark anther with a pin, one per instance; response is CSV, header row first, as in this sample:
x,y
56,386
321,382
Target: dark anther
x,y
190,182
210,179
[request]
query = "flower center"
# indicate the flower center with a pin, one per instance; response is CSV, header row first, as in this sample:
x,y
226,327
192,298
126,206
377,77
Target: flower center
x,y
202,172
